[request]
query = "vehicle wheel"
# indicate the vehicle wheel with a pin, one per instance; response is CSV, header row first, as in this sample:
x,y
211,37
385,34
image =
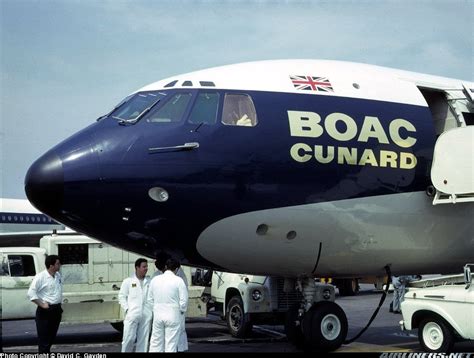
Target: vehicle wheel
x,y
238,322
293,331
435,335
324,327
348,287
118,326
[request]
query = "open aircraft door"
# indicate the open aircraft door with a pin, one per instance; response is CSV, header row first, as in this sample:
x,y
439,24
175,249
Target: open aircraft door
x,y
452,173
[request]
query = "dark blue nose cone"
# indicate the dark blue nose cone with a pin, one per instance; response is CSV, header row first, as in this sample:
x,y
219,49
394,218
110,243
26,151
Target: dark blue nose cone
x,y
44,183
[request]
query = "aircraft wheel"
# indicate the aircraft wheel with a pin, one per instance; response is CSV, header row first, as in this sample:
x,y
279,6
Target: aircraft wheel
x,y
325,327
238,322
435,335
293,331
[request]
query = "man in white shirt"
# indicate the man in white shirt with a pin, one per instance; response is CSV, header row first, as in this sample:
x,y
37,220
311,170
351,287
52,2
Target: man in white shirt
x,y
169,297
46,291
133,299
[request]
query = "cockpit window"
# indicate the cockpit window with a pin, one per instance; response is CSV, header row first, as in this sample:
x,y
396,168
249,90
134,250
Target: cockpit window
x,y
172,110
129,110
239,110
205,108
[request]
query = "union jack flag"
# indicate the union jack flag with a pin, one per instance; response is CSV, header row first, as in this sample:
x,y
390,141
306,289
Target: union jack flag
x,y
311,83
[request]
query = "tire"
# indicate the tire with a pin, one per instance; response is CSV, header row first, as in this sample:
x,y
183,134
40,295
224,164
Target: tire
x,y
324,327
435,335
238,323
118,326
293,331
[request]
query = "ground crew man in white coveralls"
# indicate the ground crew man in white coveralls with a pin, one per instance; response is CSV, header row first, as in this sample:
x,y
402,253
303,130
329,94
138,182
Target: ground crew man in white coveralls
x,y
169,297
160,264
138,314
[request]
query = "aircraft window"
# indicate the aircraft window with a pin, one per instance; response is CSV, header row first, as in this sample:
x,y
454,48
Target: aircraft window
x,y
171,111
171,84
132,108
73,254
207,84
239,110
205,108
187,83
21,265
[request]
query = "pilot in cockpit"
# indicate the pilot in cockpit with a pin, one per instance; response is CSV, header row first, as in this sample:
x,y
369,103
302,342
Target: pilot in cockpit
x,y
238,111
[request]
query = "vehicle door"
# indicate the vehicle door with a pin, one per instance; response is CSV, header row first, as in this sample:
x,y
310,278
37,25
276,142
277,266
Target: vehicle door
x,y
17,271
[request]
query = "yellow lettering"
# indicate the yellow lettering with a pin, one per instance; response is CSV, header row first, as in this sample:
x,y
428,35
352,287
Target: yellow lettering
x,y
395,126
368,157
348,155
295,152
318,154
407,160
330,125
305,124
371,128
388,158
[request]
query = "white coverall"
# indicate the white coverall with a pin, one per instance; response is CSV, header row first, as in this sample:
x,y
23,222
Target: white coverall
x,y
138,313
169,297
183,337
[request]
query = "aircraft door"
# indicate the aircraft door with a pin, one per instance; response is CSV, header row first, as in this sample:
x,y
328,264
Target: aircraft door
x,y
452,169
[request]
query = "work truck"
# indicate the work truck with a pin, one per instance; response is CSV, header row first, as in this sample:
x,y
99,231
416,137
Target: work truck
x,y
243,300
442,308
92,273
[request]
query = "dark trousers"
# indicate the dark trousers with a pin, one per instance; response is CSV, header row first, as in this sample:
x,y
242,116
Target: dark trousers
x,y
47,324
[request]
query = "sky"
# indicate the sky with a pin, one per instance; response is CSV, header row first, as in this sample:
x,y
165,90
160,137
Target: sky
x,y
65,63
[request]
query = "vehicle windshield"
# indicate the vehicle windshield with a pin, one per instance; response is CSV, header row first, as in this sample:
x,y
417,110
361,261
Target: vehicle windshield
x,y
130,109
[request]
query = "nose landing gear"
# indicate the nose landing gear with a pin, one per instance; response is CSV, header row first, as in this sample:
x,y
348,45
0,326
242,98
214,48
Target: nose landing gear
x,y
324,327
318,323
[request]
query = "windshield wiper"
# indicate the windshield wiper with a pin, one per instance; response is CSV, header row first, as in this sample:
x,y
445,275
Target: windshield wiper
x,y
199,126
145,111
113,109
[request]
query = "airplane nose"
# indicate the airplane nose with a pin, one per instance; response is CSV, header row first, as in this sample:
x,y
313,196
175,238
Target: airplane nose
x,y
44,183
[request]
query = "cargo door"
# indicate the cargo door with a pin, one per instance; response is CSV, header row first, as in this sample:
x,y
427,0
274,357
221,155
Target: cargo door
x,y
117,264
99,264
109,263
